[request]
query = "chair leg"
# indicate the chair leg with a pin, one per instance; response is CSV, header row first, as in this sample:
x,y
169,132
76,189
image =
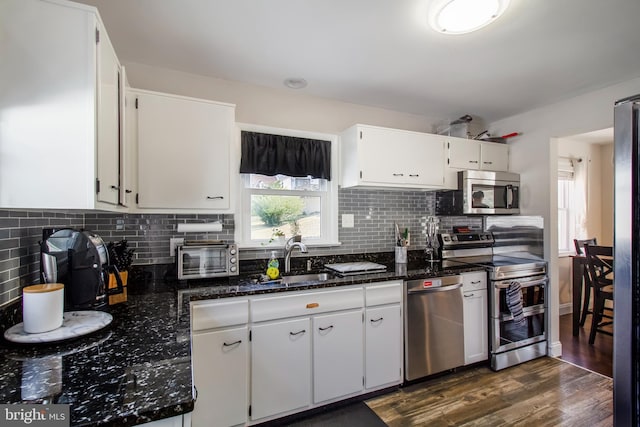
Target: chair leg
x,y
596,318
585,305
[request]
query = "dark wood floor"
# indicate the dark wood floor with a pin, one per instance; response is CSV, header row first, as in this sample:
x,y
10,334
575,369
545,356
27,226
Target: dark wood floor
x,y
597,358
542,392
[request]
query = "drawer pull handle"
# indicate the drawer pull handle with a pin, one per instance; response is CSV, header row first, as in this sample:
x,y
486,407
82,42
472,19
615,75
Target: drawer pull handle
x,y
398,174
326,329
376,320
232,344
476,282
468,295
214,197
313,305
297,333
415,175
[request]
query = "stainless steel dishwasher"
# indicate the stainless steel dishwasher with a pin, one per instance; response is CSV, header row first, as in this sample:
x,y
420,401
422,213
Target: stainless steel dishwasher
x,y
434,330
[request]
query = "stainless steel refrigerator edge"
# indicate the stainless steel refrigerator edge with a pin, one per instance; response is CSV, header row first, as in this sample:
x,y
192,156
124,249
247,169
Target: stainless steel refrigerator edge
x,y
626,329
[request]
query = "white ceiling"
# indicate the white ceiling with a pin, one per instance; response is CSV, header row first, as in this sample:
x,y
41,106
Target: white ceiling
x,y
382,53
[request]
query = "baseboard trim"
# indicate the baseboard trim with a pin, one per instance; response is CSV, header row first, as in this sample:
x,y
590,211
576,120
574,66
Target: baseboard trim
x,y
566,308
554,349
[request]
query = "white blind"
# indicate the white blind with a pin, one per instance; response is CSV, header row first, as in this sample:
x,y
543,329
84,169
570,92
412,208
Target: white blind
x,y
565,168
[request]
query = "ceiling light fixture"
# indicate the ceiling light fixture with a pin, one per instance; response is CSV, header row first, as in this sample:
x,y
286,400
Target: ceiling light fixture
x,y
295,83
464,16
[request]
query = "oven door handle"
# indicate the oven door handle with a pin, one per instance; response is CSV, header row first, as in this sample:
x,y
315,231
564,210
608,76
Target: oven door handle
x,y
436,289
505,284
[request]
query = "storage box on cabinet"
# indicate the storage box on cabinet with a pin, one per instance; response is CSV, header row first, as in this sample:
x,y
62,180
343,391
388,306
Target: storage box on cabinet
x,y
220,358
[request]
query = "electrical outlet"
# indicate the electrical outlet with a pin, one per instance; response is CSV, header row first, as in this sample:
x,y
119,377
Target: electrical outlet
x,y
173,242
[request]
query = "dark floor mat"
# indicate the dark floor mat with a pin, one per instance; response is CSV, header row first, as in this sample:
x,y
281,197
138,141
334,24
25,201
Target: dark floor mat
x,y
353,415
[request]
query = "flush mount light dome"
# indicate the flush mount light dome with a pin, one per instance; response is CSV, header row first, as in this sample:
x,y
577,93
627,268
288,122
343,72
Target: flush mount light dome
x,y
295,83
464,16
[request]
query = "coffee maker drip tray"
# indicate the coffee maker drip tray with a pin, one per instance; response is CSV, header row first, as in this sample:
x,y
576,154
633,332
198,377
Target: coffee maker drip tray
x,y
74,324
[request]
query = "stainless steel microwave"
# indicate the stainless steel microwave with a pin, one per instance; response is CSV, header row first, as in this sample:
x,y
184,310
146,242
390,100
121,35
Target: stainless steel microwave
x,y
489,193
201,260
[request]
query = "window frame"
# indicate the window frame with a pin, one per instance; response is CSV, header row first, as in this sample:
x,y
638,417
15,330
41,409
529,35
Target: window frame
x,y
569,216
329,202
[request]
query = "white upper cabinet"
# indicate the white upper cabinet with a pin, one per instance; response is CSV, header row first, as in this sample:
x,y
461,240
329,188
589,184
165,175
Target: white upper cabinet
x,y
472,154
392,158
183,152
59,107
108,183
494,156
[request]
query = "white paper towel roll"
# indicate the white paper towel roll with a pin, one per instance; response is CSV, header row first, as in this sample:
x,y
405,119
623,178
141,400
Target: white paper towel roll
x,y
200,227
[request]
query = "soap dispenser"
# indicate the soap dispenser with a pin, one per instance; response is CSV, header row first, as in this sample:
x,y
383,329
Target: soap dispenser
x,y
273,266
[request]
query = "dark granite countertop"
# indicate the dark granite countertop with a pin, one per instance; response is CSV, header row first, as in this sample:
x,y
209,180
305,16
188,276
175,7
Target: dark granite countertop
x,y
138,369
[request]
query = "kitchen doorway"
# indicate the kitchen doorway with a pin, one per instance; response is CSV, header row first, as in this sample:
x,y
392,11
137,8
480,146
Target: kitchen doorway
x,y
585,210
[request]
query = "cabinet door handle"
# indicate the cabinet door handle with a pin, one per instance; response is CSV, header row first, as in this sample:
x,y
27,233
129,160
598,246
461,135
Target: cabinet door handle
x,y
415,175
376,320
468,295
398,174
231,344
128,191
326,329
297,333
473,161
215,197
115,187
488,163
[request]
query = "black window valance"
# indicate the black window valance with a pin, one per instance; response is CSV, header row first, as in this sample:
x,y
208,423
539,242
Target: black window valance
x,y
268,154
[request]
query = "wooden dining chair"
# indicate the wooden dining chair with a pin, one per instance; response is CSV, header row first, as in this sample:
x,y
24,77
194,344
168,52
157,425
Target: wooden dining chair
x,y
600,262
579,244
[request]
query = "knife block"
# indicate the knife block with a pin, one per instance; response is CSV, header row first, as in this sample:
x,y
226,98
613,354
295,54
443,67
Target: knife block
x,y
118,298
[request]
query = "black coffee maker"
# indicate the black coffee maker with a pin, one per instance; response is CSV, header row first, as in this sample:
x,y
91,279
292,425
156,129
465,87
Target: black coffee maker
x,y
79,260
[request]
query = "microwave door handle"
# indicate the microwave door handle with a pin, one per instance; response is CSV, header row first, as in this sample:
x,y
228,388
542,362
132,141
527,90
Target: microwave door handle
x,y
508,196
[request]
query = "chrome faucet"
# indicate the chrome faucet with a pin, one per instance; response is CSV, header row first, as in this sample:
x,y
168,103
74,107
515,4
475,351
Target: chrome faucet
x,y
288,248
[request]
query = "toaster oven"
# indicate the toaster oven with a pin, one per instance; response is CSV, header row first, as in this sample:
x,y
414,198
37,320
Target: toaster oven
x,y
206,259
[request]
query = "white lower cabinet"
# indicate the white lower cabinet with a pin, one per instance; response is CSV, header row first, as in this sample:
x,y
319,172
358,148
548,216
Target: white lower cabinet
x,y
383,335
475,313
337,355
262,357
280,367
383,338
220,361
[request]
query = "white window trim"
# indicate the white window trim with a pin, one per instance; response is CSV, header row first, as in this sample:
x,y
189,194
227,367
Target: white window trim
x,y
330,217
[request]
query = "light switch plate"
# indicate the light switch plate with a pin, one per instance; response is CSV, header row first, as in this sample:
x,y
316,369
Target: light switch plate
x,y
173,242
347,221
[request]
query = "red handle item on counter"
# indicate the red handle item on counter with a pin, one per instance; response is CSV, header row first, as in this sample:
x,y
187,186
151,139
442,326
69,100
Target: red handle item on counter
x,y
511,135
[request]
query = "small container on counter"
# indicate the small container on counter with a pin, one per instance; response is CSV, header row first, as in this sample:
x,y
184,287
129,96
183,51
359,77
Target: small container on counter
x,y
42,307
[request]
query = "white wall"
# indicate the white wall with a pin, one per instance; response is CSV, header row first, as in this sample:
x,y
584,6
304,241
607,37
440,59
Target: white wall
x,y
285,108
606,220
533,154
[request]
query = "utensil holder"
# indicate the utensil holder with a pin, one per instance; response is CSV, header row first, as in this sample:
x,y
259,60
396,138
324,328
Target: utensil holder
x,y
401,254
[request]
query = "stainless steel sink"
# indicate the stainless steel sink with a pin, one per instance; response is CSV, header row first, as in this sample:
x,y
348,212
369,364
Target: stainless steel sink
x,y
317,277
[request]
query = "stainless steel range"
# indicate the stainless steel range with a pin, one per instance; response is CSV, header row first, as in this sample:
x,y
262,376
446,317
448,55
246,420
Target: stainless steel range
x,y
517,290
